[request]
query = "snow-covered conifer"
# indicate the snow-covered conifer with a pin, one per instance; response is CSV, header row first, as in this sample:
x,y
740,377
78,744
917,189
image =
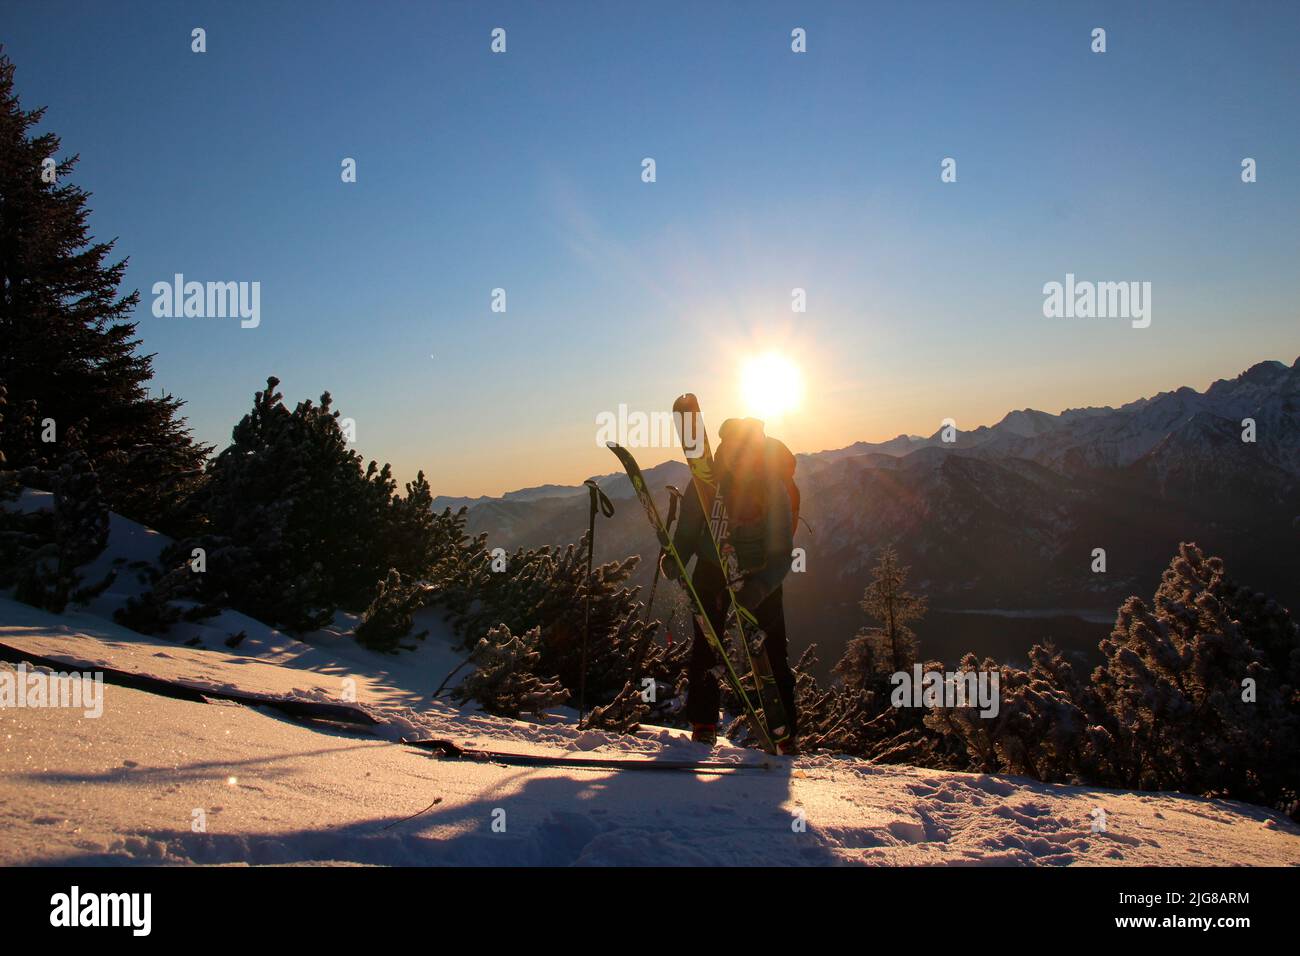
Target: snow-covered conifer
x,y
504,681
389,617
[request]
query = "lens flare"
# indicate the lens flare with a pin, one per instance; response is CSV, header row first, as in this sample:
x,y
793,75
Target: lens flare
x,y
770,385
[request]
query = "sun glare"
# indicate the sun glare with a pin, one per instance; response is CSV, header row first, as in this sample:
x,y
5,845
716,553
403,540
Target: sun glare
x,y
770,385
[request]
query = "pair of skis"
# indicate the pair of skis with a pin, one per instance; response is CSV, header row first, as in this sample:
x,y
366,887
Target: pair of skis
x,y
195,690
699,457
666,546
450,749
771,724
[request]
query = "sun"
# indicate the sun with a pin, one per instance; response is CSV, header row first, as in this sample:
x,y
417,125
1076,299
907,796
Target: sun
x,y
771,385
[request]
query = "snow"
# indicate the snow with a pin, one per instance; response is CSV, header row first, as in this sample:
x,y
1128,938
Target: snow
x,y
331,652
127,787
156,779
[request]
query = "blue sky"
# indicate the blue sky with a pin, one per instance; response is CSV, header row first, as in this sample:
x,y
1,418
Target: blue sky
x,y
775,171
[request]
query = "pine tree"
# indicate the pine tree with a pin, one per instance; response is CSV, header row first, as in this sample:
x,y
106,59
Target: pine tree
x,y
68,354
1202,687
9,486
854,715
390,615
80,514
22,533
417,539
50,573
547,588
888,601
828,716
1197,693
622,715
296,528
1050,724
505,681
362,526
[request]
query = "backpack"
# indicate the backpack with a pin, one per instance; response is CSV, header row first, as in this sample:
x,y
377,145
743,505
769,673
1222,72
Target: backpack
x,y
747,460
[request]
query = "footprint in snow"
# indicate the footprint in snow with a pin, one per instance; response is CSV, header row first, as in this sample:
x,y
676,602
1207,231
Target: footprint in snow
x,y
992,785
911,831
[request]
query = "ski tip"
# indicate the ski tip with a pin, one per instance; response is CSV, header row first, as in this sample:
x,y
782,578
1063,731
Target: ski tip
x,y
686,403
439,745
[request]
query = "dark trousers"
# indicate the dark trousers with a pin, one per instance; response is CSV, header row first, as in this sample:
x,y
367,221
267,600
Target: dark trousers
x,y
705,695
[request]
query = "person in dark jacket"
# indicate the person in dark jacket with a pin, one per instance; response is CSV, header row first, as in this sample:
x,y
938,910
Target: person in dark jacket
x,y
755,479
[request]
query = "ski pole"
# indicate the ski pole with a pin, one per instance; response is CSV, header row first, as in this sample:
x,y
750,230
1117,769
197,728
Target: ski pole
x,y
673,497
601,500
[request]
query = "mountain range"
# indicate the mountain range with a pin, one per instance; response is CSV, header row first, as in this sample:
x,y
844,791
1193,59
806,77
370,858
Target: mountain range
x,y
999,523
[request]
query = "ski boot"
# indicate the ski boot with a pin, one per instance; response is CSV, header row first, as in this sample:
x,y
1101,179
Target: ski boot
x,y
704,733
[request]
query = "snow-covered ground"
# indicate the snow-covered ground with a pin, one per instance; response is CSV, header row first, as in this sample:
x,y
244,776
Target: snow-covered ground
x,y
132,784
332,652
155,779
